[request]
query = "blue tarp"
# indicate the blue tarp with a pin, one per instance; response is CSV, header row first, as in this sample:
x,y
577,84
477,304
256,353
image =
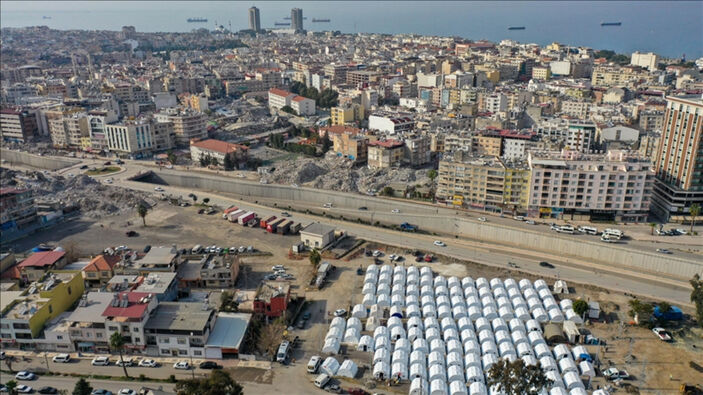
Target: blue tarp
x,y
674,314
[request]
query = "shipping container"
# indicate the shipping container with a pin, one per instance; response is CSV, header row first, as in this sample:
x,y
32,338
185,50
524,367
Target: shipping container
x,y
271,227
231,209
294,229
232,217
246,217
284,228
265,222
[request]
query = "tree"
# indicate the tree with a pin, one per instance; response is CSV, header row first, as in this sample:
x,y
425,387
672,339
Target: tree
x,y
142,210
9,359
664,307
432,174
643,311
72,251
214,161
315,257
270,336
227,303
117,343
205,160
289,110
387,191
326,143
206,200
517,378
697,297
171,157
82,387
218,383
11,387
228,163
652,226
695,211
580,306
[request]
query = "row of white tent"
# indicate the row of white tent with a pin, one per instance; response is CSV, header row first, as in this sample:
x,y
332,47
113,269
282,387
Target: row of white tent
x,y
332,368
438,387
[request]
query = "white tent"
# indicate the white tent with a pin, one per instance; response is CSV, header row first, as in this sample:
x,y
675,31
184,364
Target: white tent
x,y
540,315
447,323
496,283
417,371
550,303
499,324
440,280
399,370
457,299
438,387
481,282
412,279
490,312
382,342
369,288
541,284
474,312
412,311
572,380
578,351
359,311
381,355
524,284
489,347
429,311
397,332
478,388
335,332
566,304
567,365
394,322
412,289
541,350
355,323
474,374
561,351
444,311
330,366
376,311
365,344
472,359
533,326
468,282
455,358
436,358
522,313
464,323
441,291
544,293
381,331
437,372
529,360
348,369
425,281
351,336
454,345
414,333
372,324
457,388
339,322
553,375
399,356
431,333
518,337
555,315
455,374
516,324
578,391
397,301
467,334
438,345
523,349
503,336
487,361
419,386
601,392
383,300
558,391
507,348
548,364
586,369
534,303
572,316
331,346
473,300
560,287
418,357
381,370
471,346
421,345
459,311
485,335
403,344
369,300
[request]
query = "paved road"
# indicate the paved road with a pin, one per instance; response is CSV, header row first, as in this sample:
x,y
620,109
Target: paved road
x,y
67,383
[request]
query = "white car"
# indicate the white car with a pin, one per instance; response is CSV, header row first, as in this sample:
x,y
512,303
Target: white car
x,y
100,361
663,251
530,222
392,257
127,391
439,243
125,362
340,312
62,358
327,205
395,211
147,363
482,219
377,253
108,181
662,334
183,365
278,267
159,189
25,375
24,389
519,218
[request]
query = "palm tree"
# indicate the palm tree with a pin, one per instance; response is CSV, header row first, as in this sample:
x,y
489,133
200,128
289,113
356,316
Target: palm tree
x,y
315,257
117,343
11,387
142,210
652,226
695,211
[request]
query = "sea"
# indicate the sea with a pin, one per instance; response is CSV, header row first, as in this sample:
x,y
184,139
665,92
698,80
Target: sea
x,y
669,28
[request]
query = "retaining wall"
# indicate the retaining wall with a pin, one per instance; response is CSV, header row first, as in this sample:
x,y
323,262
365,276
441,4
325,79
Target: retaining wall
x,y
40,162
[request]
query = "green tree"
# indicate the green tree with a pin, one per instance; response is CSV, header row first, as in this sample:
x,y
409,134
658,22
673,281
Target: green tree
x,y
206,200
326,143
117,343
218,383
580,306
387,191
432,174
697,297
315,257
171,157
695,211
517,378
9,359
652,226
289,110
11,387
228,163
142,210
664,307
642,310
214,161
82,387
227,303
205,160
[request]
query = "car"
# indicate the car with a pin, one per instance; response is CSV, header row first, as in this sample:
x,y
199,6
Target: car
x,y
108,163
24,389
327,205
662,334
3,388
241,249
519,218
108,181
392,257
285,214
553,226
614,373
363,208
119,162
482,219
48,390
84,167
377,253
530,222
125,362
147,248
340,312
663,251
61,358
127,391
2,355
681,231
159,189
286,276
201,211
209,365
307,316
100,361
333,388
294,185
270,277
278,267
439,243
300,324
378,261
429,258
101,392
418,259
183,365
25,375
147,363
321,380
395,211
131,233
314,363
661,232
546,264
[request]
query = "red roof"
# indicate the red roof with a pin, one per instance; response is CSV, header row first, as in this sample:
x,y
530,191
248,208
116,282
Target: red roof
x,y
218,146
133,310
102,263
387,143
12,273
339,129
42,259
279,92
298,98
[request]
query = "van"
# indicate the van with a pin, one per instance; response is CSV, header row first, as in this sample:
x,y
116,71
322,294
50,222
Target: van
x,y
566,229
322,380
614,233
282,353
196,249
314,363
588,230
62,358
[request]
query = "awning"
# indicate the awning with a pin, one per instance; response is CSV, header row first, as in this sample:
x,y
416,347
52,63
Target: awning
x,y
86,344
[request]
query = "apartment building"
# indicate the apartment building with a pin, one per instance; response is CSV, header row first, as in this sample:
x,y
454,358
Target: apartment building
x,y
279,98
541,73
17,125
649,60
496,102
417,150
487,143
581,136
351,145
179,329
35,267
578,109
132,138
86,324
651,120
187,124
462,141
127,315
17,209
471,181
217,149
391,124
68,128
385,154
100,269
679,159
218,271
613,186
610,76
348,114
302,105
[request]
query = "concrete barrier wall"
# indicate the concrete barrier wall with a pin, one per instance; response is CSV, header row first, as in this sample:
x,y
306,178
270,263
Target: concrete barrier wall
x,y
40,162
441,223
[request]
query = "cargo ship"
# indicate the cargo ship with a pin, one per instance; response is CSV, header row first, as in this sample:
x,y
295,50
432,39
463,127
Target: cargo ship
x,y
198,19
282,24
611,23
320,20
516,28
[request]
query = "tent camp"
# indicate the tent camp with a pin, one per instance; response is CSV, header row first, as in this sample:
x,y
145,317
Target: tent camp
x,y
330,366
348,369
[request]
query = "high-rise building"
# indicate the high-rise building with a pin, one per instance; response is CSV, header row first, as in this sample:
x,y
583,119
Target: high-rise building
x,y
296,19
254,19
679,160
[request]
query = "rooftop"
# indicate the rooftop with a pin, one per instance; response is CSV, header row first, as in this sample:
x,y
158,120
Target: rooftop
x,y
280,92
317,228
42,259
102,263
134,308
386,143
218,146
91,307
272,289
158,256
156,283
180,316
229,330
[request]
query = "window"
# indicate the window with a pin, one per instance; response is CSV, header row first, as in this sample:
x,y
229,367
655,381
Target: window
x,y
51,309
68,289
197,352
136,340
164,340
113,329
99,335
135,329
181,341
59,337
164,352
182,352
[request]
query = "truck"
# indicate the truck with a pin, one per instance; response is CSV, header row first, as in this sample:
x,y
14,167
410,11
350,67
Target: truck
x,y
407,227
614,374
265,222
246,217
228,210
232,217
295,228
272,226
284,227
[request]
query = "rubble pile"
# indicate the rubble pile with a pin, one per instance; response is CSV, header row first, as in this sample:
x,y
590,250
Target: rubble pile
x,y
94,199
338,174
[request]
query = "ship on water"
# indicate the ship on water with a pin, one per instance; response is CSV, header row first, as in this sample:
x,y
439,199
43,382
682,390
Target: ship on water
x,y
197,19
516,28
611,23
46,17
320,20
282,24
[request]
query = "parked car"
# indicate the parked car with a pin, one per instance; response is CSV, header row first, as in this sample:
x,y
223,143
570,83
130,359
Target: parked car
x,y
300,324
25,375
127,391
614,373
201,211
418,259
24,389
482,219
84,167
158,189
101,392
285,214
278,267
439,243
147,248
131,233
519,218
61,358
663,251
363,208
183,365
546,264
429,258
377,253
147,363
125,362
209,365
48,390
314,364
530,222
322,380
333,388
395,211
662,334
100,361
340,312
